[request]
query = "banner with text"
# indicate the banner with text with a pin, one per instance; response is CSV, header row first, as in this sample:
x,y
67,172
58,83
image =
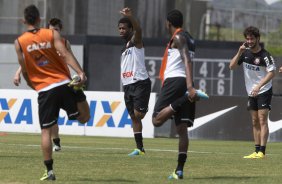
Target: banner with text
x,y
109,117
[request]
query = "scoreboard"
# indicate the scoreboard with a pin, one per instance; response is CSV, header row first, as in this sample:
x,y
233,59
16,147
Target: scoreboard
x,y
210,75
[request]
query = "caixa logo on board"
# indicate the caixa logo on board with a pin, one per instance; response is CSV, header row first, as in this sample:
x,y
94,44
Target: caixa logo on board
x,y
103,113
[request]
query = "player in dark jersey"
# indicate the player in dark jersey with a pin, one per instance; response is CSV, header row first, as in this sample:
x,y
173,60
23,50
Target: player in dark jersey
x,y
176,73
134,76
259,69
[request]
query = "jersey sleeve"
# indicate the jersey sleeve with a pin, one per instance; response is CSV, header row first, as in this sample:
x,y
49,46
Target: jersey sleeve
x,y
269,61
241,58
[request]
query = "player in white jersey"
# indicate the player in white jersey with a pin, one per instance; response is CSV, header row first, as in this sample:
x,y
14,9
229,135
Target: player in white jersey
x,y
134,76
259,69
177,77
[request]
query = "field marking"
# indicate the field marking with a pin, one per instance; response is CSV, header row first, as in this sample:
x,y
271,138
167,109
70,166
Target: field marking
x,y
147,149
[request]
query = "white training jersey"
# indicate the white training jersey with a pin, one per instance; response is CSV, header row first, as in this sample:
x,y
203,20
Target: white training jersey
x,y
256,66
133,65
175,66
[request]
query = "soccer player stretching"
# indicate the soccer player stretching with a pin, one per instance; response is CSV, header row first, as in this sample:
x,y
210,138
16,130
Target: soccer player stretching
x,y
134,76
176,73
47,73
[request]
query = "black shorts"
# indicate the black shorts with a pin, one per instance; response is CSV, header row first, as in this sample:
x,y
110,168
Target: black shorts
x,y
62,97
137,95
174,88
262,101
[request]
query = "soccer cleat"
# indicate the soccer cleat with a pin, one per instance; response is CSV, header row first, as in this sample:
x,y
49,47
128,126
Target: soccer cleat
x,y
200,94
252,156
48,176
57,148
260,155
75,78
176,175
136,152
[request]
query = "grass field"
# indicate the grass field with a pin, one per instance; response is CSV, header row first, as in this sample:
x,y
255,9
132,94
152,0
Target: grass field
x,y
105,160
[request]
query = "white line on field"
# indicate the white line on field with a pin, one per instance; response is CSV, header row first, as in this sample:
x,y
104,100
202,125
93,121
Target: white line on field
x,y
154,150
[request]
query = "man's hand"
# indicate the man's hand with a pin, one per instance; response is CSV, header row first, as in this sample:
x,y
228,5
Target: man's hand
x,y
126,12
17,79
192,95
255,91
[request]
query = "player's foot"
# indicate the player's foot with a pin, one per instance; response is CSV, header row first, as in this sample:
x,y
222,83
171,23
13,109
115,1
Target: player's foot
x,y
136,152
57,148
48,176
201,94
75,78
260,155
176,175
252,156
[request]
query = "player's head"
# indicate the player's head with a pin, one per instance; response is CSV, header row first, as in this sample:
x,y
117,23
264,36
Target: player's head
x,y
55,24
252,36
125,28
31,15
174,18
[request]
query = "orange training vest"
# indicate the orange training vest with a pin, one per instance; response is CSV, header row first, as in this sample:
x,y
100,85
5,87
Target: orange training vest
x,y
43,64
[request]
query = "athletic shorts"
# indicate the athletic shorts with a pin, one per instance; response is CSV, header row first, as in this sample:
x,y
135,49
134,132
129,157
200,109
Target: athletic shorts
x,y
137,95
62,97
174,88
262,101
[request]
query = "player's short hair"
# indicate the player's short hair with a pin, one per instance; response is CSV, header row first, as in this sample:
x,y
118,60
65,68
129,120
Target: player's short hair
x,y
55,22
251,30
175,17
31,14
125,20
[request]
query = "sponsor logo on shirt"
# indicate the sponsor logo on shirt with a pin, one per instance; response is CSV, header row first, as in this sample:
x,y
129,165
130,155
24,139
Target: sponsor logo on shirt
x,y
38,46
252,67
127,74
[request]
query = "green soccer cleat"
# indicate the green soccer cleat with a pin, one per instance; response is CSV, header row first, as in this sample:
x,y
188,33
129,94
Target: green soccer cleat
x,y
252,156
136,152
75,78
48,176
176,175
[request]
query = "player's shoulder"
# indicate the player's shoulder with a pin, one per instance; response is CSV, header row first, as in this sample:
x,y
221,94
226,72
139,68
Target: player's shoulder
x,y
264,52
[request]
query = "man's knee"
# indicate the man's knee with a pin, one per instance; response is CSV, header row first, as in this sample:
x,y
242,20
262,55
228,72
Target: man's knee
x,y
139,115
156,122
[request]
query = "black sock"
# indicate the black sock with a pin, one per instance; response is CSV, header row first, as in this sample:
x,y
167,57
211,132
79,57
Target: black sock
x,y
56,141
257,148
49,164
181,161
262,149
139,141
176,105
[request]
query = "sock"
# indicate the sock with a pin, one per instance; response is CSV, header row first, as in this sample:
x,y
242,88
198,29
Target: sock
x,y
262,149
257,148
57,141
176,105
181,161
139,140
49,164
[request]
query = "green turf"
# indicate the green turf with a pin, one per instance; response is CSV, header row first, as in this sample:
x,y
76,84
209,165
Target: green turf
x,y
105,160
